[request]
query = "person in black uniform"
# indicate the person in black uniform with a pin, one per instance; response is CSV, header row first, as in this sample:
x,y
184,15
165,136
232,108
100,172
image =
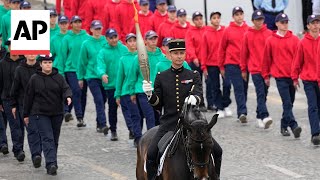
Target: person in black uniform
x,y
22,76
7,68
44,100
171,88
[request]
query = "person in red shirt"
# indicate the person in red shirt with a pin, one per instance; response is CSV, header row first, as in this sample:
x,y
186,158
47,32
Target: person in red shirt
x,y
251,60
278,56
124,17
180,28
304,65
66,7
94,11
78,7
229,60
164,29
110,15
160,15
144,17
210,67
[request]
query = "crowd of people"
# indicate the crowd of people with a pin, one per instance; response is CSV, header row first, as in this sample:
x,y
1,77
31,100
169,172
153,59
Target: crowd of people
x,y
93,45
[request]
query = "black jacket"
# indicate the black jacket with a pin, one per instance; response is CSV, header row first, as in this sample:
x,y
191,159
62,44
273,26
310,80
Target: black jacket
x,y
171,87
46,94
7,70
22,76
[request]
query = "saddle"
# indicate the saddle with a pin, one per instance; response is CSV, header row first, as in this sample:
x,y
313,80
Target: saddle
x,y
169,141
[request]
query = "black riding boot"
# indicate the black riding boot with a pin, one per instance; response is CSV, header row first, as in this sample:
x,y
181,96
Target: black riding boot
x,y
151,167
217,162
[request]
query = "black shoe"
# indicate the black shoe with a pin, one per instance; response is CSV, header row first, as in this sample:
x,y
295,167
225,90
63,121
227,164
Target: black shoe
x,y
285,132
151,167
37,161
68,117
315,140
81,123
103,130
52,170
212,108
203,109
4,149
296,132
114,136
131,135
20,157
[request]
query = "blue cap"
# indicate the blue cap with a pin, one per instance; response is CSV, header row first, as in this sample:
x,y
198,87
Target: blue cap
x,y
96,24
215,13
281,17
196,14
76,18
312,18
25,4
130,35
53,12
150,34
12,1
166,41
257,14
172,8
62,19
45,57
181,12
8,42
111,32
143,2
161,2
236,9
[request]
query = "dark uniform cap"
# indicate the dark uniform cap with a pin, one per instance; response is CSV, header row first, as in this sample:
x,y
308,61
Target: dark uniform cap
x,y
96,24
62,19
76,18
25,4
172,8
143,2
257,14
236,9
281,17
196,14
150,34
161,2
45,57
111,32
181,12
312,18
214,13
177,44
130,35
53,12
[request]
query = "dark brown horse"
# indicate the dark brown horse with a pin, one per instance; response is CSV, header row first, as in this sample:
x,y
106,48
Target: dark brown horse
x,y
192,158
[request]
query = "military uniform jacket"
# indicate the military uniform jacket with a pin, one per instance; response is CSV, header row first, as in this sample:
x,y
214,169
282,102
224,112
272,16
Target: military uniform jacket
x,y
171,87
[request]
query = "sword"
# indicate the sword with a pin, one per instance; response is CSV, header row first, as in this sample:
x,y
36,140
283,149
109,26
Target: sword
x,y
142,52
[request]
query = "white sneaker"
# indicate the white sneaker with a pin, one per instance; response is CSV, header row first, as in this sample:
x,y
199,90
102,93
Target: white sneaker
x,y
227,112
221,114
260,124
267,122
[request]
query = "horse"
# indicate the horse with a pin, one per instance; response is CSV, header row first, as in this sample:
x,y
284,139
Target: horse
x,y
192,158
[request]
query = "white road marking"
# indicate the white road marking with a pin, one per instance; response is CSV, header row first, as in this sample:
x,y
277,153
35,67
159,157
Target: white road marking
x,y
284,171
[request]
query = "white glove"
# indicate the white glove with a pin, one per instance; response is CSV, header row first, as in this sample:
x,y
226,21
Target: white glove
x,y
191,100
147,87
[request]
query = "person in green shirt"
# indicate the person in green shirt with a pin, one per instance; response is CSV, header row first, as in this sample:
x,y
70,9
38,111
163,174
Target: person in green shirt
x,y
166,63
108,63
87,71
129,109
135,82
6,21
54,28
4,9
68,65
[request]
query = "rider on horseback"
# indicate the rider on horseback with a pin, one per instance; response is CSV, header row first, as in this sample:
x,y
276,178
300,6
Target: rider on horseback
x,y
170,91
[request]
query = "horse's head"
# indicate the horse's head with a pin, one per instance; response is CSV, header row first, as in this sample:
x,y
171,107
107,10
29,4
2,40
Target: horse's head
x,y
199,142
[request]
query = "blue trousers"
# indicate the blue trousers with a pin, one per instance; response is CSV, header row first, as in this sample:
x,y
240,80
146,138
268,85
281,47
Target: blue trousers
x,y
113,107
99,98
262,92
312,91
270,21
287,93
233,73
131,115
3,128
49,129
219,100
146,109
79,96
16,128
